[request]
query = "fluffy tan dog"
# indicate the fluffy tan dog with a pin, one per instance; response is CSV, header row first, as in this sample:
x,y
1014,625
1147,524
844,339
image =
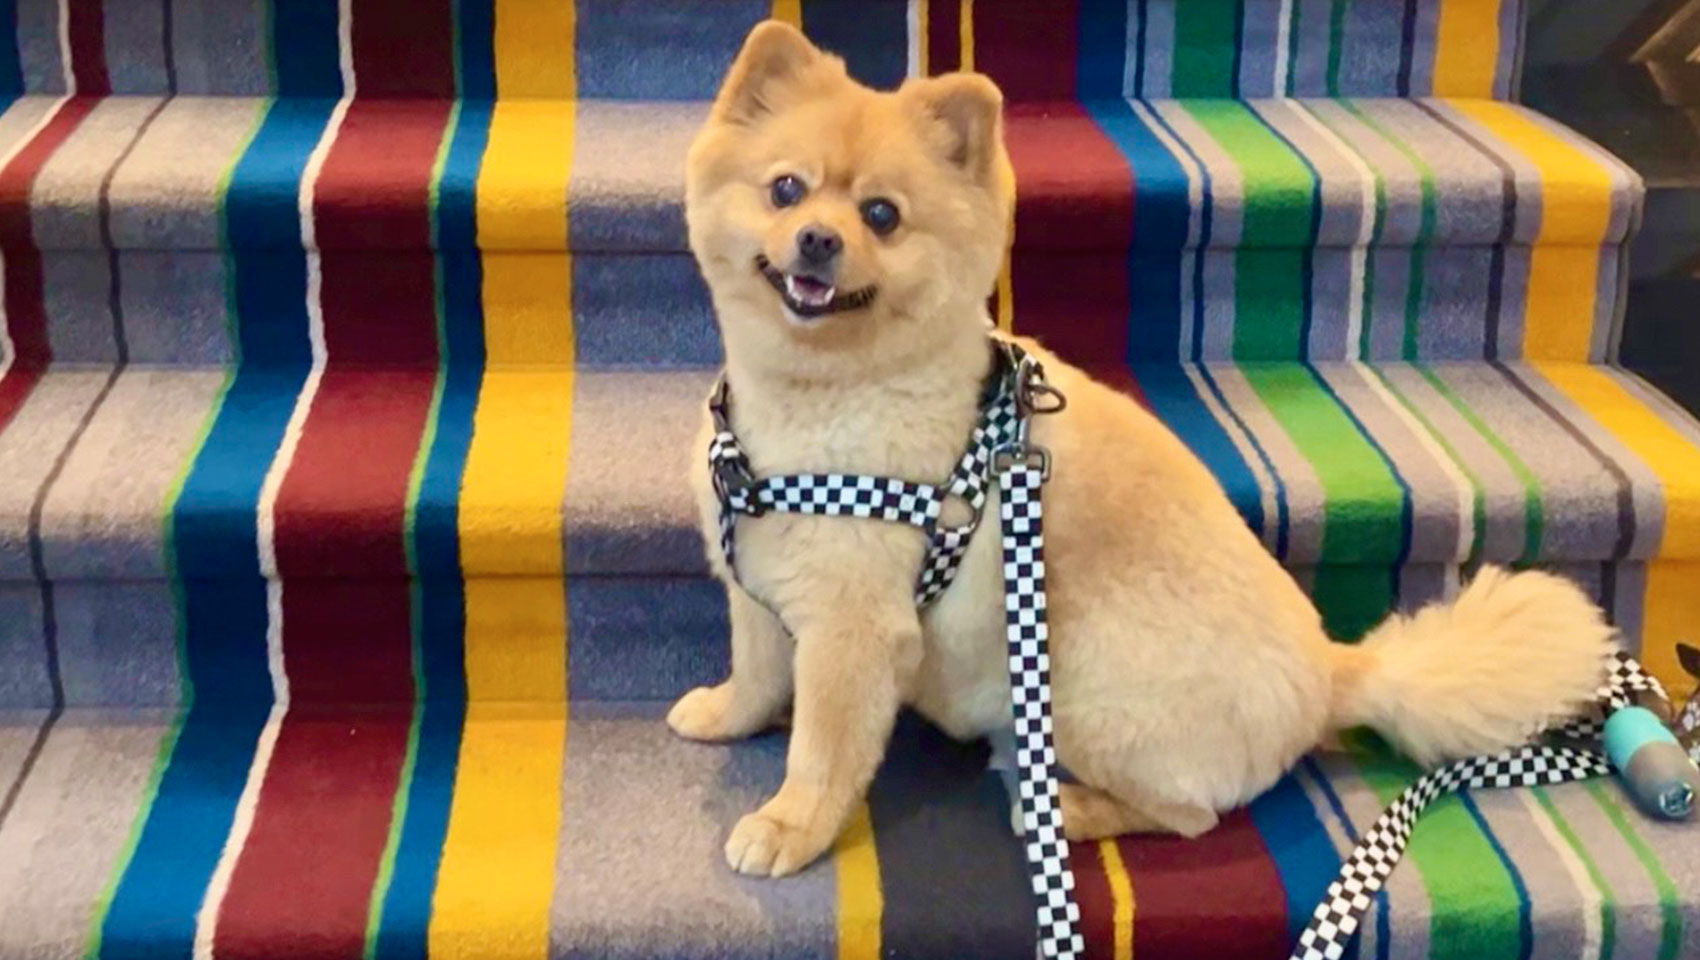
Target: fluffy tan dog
x,y
850,238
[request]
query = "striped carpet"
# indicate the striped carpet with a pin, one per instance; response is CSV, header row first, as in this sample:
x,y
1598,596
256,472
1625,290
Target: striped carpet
x,y
349,359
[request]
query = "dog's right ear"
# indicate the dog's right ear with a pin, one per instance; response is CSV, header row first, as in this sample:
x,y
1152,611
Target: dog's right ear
x,y
965,111
1689,657
775,53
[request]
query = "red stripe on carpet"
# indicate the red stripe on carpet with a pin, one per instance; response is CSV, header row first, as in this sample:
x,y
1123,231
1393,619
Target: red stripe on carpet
x,y
1092,894
1122,379
1074,186
1073,225
1029,47
323,817
25,315
404,48
1219,895
944,36
16,384
86,31
374,191
303,884
341,507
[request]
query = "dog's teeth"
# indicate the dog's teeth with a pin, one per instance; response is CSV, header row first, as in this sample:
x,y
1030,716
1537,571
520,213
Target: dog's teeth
x,y
812,296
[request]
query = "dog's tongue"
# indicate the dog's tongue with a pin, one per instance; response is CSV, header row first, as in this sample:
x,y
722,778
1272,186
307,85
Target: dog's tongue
x,y
809,291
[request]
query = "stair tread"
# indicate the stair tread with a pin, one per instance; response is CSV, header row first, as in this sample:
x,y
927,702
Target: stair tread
x,y
617,852
212,172
1331,463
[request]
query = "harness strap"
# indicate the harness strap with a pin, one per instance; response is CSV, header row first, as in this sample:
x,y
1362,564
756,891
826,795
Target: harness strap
x,y
920,505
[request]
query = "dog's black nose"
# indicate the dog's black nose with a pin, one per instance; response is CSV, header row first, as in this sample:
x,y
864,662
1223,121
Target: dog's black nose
x,y
818,244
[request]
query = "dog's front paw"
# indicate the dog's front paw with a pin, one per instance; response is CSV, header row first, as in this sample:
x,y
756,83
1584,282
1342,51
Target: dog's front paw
x,y
705,714
763,845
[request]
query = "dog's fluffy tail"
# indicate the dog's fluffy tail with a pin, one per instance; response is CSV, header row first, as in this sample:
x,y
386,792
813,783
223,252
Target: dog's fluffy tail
x,y
1513,653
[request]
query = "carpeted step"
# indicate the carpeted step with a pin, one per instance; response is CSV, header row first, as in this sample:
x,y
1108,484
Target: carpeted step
x,y
1379,480
1269,173
678,49
1331,463
589,831
1160,230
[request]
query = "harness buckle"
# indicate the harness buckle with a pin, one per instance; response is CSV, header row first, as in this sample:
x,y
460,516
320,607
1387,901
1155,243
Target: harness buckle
x,y
1022,453
737,486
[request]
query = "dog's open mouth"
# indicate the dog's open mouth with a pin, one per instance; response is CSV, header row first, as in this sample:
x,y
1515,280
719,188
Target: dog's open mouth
x,y
808,297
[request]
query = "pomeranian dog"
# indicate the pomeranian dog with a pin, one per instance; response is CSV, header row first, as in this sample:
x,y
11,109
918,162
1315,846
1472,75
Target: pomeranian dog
x,y
850,239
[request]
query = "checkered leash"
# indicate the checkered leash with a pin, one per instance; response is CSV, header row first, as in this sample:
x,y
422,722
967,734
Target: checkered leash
x,y
1336,919
998,451
1688,727
1021,474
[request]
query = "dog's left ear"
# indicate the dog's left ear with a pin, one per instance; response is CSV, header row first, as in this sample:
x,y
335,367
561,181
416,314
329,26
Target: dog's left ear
x,y
774,54
966,111
1690,658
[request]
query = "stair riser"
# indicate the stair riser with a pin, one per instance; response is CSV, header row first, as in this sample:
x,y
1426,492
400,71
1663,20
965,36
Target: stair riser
x,y
652,310
678,49
637,638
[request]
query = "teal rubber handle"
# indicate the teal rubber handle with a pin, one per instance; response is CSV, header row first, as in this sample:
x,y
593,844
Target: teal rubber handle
x,y
1631,728
1651,763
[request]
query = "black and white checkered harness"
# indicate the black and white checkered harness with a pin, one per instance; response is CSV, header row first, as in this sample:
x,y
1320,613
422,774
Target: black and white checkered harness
x,y
998,452
884,498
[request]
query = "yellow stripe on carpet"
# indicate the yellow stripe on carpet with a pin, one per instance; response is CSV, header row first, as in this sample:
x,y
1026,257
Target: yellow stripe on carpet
x,y
1121,897
1466,48
1673,459
497,875
861,904
522,185
1671,616
496,879
965,25
790,11
534,49
1576,194
920,25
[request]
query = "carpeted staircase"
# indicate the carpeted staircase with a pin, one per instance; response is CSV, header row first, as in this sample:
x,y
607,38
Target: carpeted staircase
x,y
349,363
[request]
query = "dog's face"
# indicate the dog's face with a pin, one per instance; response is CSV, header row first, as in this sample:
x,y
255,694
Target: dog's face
x,y
833,215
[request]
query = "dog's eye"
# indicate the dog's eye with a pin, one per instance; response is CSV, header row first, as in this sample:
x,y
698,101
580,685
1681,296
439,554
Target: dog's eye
x,y
788,191
880,215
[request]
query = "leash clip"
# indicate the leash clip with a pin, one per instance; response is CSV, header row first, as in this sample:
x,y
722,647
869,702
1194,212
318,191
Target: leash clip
x,y
1033,397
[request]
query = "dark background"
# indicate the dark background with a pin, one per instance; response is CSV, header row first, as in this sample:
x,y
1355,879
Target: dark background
x,y
1626,73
